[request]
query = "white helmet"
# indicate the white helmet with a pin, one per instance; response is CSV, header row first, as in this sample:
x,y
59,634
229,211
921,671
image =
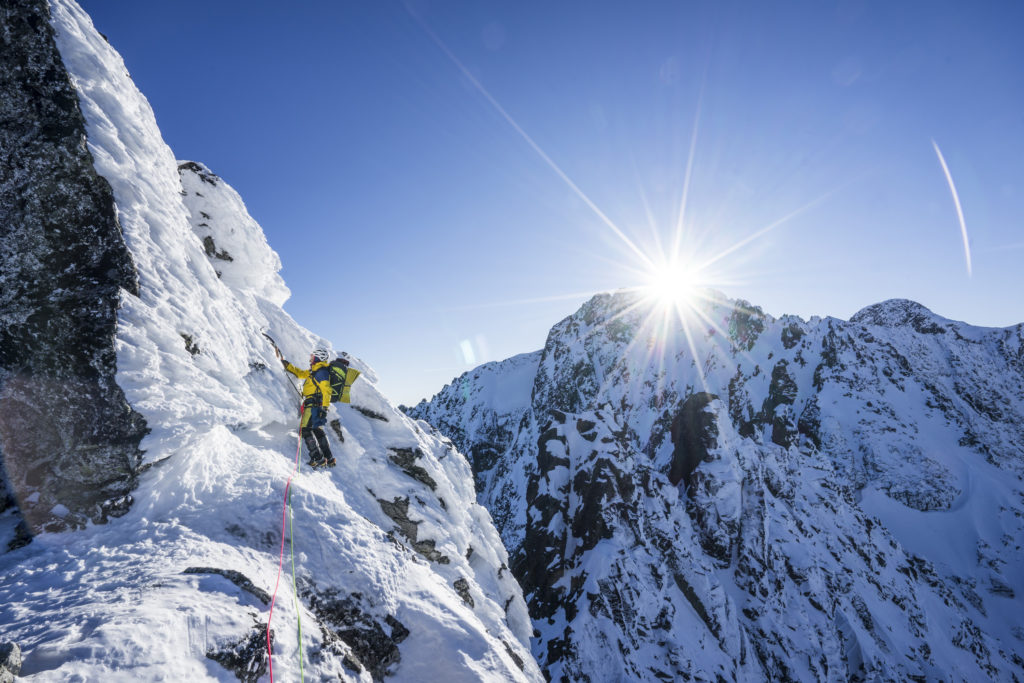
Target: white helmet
x,y
321,354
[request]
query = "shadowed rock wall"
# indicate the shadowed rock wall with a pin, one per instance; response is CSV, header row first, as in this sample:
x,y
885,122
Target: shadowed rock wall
x,y
68,439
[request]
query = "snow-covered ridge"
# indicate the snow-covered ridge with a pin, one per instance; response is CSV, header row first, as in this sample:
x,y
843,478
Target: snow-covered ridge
x,y
760,498
390,566
240,253
898,313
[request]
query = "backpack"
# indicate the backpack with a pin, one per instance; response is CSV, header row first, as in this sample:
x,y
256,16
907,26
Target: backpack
x,y
342,377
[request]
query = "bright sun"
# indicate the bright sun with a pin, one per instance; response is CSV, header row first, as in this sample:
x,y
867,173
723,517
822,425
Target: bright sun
x,y
671,287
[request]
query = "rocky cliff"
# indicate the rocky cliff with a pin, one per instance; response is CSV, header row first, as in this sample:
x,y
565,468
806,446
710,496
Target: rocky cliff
x,y
69,439
739,497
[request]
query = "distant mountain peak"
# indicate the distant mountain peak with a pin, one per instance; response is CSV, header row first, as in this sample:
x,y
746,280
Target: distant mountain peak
x,y
900,313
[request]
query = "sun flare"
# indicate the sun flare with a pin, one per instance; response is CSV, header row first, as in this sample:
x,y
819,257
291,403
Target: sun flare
x,y
671,287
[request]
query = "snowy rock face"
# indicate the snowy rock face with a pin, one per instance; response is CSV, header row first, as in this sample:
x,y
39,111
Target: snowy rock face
x,y
381,568
751,498
69,440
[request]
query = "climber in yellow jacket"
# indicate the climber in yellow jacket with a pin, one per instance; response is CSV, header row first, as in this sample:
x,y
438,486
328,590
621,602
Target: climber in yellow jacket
x,y
316,399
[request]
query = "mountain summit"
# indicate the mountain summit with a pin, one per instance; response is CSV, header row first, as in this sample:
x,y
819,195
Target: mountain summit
x,y
732,496
149,433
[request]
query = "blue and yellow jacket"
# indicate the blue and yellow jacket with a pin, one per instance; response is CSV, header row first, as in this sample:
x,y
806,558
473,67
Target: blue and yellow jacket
x,y
317,384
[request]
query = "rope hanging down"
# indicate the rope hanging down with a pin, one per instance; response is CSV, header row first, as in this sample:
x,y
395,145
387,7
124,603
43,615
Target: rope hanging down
x,y
280,563
287,513
295,589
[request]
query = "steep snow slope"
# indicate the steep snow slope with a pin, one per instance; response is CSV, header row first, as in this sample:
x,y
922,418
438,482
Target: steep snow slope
x,y
390,568
740,497
484,411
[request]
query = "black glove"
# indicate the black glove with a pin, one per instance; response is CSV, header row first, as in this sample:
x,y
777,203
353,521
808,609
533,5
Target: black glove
x,y
284,362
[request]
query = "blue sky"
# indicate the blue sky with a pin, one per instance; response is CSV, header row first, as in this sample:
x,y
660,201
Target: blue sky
x,y
444,181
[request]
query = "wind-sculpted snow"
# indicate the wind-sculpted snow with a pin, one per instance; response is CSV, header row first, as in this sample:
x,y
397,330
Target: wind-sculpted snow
x,y
391,570
751,498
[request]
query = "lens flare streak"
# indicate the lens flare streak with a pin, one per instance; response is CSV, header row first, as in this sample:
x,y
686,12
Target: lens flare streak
x,y
956,202
529,140
680,222
765,230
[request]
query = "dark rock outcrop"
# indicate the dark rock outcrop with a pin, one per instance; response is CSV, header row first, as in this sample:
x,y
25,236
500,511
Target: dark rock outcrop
x,y
353,631
247,658
235,577
398,511
694,434
540,563
69,439
746,324
406,459
462,588
777,408
10,662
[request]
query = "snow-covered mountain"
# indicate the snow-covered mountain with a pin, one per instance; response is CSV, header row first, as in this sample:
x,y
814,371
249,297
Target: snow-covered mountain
x,y
149,433
731,496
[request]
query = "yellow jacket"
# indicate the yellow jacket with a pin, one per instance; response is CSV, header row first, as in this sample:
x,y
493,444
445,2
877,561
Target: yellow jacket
x,y
318,381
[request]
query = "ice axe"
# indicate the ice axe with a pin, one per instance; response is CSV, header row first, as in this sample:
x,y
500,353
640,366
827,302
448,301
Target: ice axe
x,y
277,352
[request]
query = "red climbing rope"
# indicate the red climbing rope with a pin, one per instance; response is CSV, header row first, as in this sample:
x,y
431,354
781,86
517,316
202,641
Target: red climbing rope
x,y
280,562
